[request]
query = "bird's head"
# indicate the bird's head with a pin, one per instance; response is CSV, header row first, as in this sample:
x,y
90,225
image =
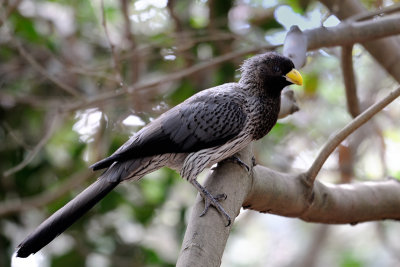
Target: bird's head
x,y
270,72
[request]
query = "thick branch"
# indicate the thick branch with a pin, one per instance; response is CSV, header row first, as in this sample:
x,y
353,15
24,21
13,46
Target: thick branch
x,y
266,190
385,51
206,236
287,195
205,239
345,33
354,32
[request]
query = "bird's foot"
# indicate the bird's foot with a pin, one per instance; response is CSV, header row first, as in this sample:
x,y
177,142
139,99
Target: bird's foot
x,y
253,161
237,160
210,200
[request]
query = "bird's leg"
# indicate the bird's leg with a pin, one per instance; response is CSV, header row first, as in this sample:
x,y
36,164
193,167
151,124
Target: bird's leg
x,y
210,200
237,160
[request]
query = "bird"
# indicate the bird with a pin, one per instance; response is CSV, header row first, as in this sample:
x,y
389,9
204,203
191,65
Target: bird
x,y
207,128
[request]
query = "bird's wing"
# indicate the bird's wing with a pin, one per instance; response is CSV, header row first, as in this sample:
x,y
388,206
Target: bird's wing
x,y
204,122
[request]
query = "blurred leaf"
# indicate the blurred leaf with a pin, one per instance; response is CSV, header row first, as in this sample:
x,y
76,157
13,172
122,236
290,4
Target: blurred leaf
x,y
224,74
298,6
184,91
311,83
25,28
111,202
280,130
71,258
350,261
6,53
198,22
221,7
270,25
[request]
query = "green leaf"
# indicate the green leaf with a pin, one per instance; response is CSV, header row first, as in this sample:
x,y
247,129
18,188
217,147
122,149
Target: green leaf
x,y
350,260
25,28
298,6
71,258
184,91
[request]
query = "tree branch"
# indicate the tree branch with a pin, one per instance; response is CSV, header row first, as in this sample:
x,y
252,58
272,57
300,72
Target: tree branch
x,y
205,237
19,205
385,51
349,80
371,14
335,140
55,121
286,195
354,32
269,191
346,34
167,78
44,72
114,56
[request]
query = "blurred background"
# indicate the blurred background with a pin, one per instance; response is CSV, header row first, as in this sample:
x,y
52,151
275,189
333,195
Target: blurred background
x,y
77,78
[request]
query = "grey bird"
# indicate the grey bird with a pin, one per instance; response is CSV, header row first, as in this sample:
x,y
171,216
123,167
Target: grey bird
x,y
207,128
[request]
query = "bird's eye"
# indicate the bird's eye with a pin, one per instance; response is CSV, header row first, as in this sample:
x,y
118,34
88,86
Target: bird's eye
x,y
276,69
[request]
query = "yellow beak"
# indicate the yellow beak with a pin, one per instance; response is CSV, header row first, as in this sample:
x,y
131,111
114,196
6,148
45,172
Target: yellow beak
x,y
294,76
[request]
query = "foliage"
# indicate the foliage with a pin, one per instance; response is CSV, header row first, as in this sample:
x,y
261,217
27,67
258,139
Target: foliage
x,y
50,47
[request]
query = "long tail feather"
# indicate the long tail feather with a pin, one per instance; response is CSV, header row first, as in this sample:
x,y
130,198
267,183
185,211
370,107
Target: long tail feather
x,y
65,217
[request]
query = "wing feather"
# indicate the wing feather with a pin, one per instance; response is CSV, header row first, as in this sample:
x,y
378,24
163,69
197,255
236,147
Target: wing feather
x,y
202,123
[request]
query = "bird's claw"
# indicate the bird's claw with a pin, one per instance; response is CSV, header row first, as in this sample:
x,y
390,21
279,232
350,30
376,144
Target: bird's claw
x,y
208,203
237,160
253,161
210,200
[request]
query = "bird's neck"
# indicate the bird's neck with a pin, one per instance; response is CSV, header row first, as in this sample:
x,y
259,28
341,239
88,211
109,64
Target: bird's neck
x,y
265,114
260,89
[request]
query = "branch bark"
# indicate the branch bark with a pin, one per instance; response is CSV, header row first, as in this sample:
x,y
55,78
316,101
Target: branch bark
x,y
346,34
287,195
291,195
385,51
354,32
335,140
353,105
269,191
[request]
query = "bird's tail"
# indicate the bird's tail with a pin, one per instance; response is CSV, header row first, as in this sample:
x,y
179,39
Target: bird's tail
x,y
65,217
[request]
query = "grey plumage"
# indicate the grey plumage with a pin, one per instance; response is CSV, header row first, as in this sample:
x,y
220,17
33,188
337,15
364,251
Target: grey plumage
x,y
201,131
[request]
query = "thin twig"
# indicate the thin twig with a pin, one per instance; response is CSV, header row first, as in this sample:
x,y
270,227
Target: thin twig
x,y
15,135
43,71
9,11
167,78
174,16
384,51
38,102
316,38
349,81
335,140
16,206
134,59
115,60
31,155
379,12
